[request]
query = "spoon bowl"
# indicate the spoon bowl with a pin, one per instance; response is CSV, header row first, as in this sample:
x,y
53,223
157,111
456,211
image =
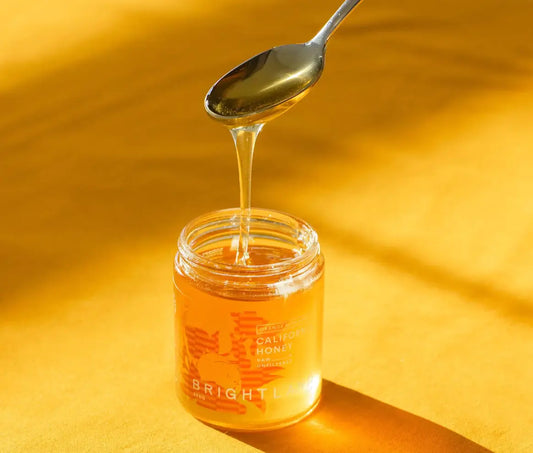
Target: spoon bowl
x,y
266,85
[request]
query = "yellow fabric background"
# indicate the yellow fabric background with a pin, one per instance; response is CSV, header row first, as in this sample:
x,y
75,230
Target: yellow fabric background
x,y
412,158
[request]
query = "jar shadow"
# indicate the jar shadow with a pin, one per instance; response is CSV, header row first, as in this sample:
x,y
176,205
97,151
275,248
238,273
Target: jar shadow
x,y
348,421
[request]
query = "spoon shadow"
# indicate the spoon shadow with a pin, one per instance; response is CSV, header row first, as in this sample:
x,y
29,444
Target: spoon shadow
x,y
348,421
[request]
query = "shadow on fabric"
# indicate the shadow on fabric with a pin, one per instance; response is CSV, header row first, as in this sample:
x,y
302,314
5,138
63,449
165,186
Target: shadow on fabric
x,y
348,421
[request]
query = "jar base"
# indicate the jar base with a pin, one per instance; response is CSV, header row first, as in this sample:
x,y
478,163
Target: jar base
x,y
263,427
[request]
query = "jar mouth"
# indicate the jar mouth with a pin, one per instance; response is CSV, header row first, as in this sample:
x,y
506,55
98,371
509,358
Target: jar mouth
x,y
222,228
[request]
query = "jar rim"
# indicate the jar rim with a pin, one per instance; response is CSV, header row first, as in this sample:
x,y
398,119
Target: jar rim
x,y
306,235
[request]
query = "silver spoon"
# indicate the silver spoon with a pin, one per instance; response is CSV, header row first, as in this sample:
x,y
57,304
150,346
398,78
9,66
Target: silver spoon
x,y
268,84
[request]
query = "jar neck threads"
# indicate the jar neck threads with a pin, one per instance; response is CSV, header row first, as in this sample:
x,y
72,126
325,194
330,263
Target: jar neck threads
x,y
287,249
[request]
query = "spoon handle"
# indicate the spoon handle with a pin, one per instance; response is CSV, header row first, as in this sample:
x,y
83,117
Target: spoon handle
x,y
327,30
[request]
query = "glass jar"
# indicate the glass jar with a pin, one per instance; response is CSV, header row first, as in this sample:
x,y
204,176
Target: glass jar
x,y
248,337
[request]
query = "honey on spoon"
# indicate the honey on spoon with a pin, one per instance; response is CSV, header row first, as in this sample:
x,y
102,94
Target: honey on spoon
x,y
260,89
